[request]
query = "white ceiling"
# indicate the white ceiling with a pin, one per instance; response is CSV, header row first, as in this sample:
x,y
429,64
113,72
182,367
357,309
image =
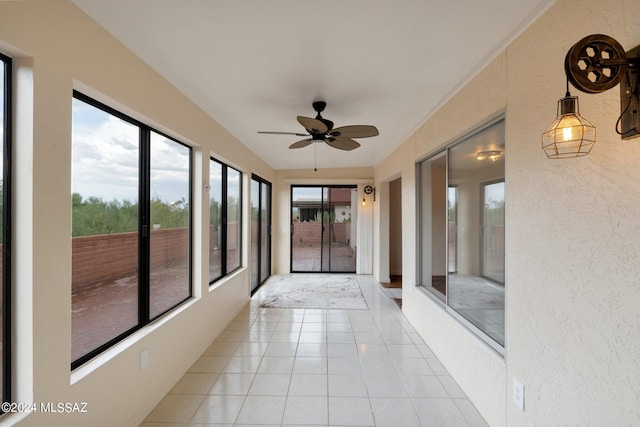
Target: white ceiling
x,y
255,65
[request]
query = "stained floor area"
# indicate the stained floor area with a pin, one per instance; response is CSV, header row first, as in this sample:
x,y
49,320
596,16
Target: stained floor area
x,y
320,367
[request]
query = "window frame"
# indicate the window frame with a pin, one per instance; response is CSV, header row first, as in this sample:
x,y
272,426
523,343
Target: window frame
x,y
144,226
224,272
325,206
432,293
262,252
6,224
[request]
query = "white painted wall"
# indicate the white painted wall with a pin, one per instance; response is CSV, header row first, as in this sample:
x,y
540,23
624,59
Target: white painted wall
x,y
56,49
573,334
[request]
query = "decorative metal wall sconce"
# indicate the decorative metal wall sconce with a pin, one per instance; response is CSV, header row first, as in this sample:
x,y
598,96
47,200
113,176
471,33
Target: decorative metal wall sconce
x,y
594,64
368,190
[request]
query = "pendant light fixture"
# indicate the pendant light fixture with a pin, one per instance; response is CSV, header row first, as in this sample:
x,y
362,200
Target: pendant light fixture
x,y
594,64
570,134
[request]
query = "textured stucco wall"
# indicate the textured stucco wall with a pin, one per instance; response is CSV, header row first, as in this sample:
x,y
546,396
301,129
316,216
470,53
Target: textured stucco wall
x,y
573,302
572,269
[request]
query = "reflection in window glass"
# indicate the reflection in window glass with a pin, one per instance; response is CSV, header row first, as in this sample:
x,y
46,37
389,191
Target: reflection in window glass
x,y
476,290
234,228
462,229
170,216
225,217
493,232
265,233
104,296
452,236
433,211
255,234
215,220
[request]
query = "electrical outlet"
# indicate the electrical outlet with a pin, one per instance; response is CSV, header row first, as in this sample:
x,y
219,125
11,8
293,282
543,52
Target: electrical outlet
x,y
144,358
518,394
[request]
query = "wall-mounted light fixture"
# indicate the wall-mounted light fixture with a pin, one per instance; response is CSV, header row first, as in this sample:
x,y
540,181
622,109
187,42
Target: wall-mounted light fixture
x,y
368,190
594,64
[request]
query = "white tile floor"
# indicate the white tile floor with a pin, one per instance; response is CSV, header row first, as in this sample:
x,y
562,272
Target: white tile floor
x,y
317,367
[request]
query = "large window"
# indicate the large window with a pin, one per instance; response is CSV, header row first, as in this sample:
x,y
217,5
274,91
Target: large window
x,y
225,217
131,221
5,235
461,193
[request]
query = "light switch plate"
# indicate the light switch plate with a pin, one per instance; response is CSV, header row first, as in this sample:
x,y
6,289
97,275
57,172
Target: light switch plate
x,y
144,358
518,394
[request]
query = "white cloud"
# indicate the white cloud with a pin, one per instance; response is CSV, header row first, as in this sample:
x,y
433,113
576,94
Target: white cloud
x,y
307,194
169,169
105,159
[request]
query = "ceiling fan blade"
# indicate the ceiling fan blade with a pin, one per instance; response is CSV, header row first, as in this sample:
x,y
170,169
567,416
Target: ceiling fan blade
x,y
312,125
301,144
283,133
356,131
342,143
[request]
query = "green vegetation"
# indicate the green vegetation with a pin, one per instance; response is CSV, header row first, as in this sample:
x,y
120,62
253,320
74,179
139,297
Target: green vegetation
x,y
325,216
95,216
174,215
494,213
215,211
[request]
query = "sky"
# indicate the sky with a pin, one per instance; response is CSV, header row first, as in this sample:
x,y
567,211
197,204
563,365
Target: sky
x,y
307,193
215,181
310,194
105,159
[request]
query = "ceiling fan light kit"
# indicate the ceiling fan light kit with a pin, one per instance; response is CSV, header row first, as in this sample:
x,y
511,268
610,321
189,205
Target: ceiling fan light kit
x,y
321,130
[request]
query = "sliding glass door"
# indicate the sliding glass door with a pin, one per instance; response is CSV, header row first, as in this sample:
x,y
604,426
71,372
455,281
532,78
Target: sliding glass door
x,y
260,231
323,228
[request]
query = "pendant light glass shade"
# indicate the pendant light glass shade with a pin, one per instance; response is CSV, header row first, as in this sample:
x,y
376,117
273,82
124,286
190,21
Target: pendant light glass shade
x,y
570,135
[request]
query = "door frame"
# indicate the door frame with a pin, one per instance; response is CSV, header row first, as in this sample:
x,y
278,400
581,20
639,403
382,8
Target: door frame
x,y
323,204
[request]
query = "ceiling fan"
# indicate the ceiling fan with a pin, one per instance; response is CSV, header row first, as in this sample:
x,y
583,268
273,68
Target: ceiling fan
x,y
321,129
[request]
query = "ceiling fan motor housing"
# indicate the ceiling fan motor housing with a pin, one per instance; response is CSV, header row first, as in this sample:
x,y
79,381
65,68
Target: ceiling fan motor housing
x,y
319,106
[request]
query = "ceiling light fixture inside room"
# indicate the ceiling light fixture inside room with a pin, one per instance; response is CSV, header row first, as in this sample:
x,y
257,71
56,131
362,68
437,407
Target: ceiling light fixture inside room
x,y
491,155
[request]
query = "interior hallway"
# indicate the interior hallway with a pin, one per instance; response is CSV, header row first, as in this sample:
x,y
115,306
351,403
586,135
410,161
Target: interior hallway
x,y
317,367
